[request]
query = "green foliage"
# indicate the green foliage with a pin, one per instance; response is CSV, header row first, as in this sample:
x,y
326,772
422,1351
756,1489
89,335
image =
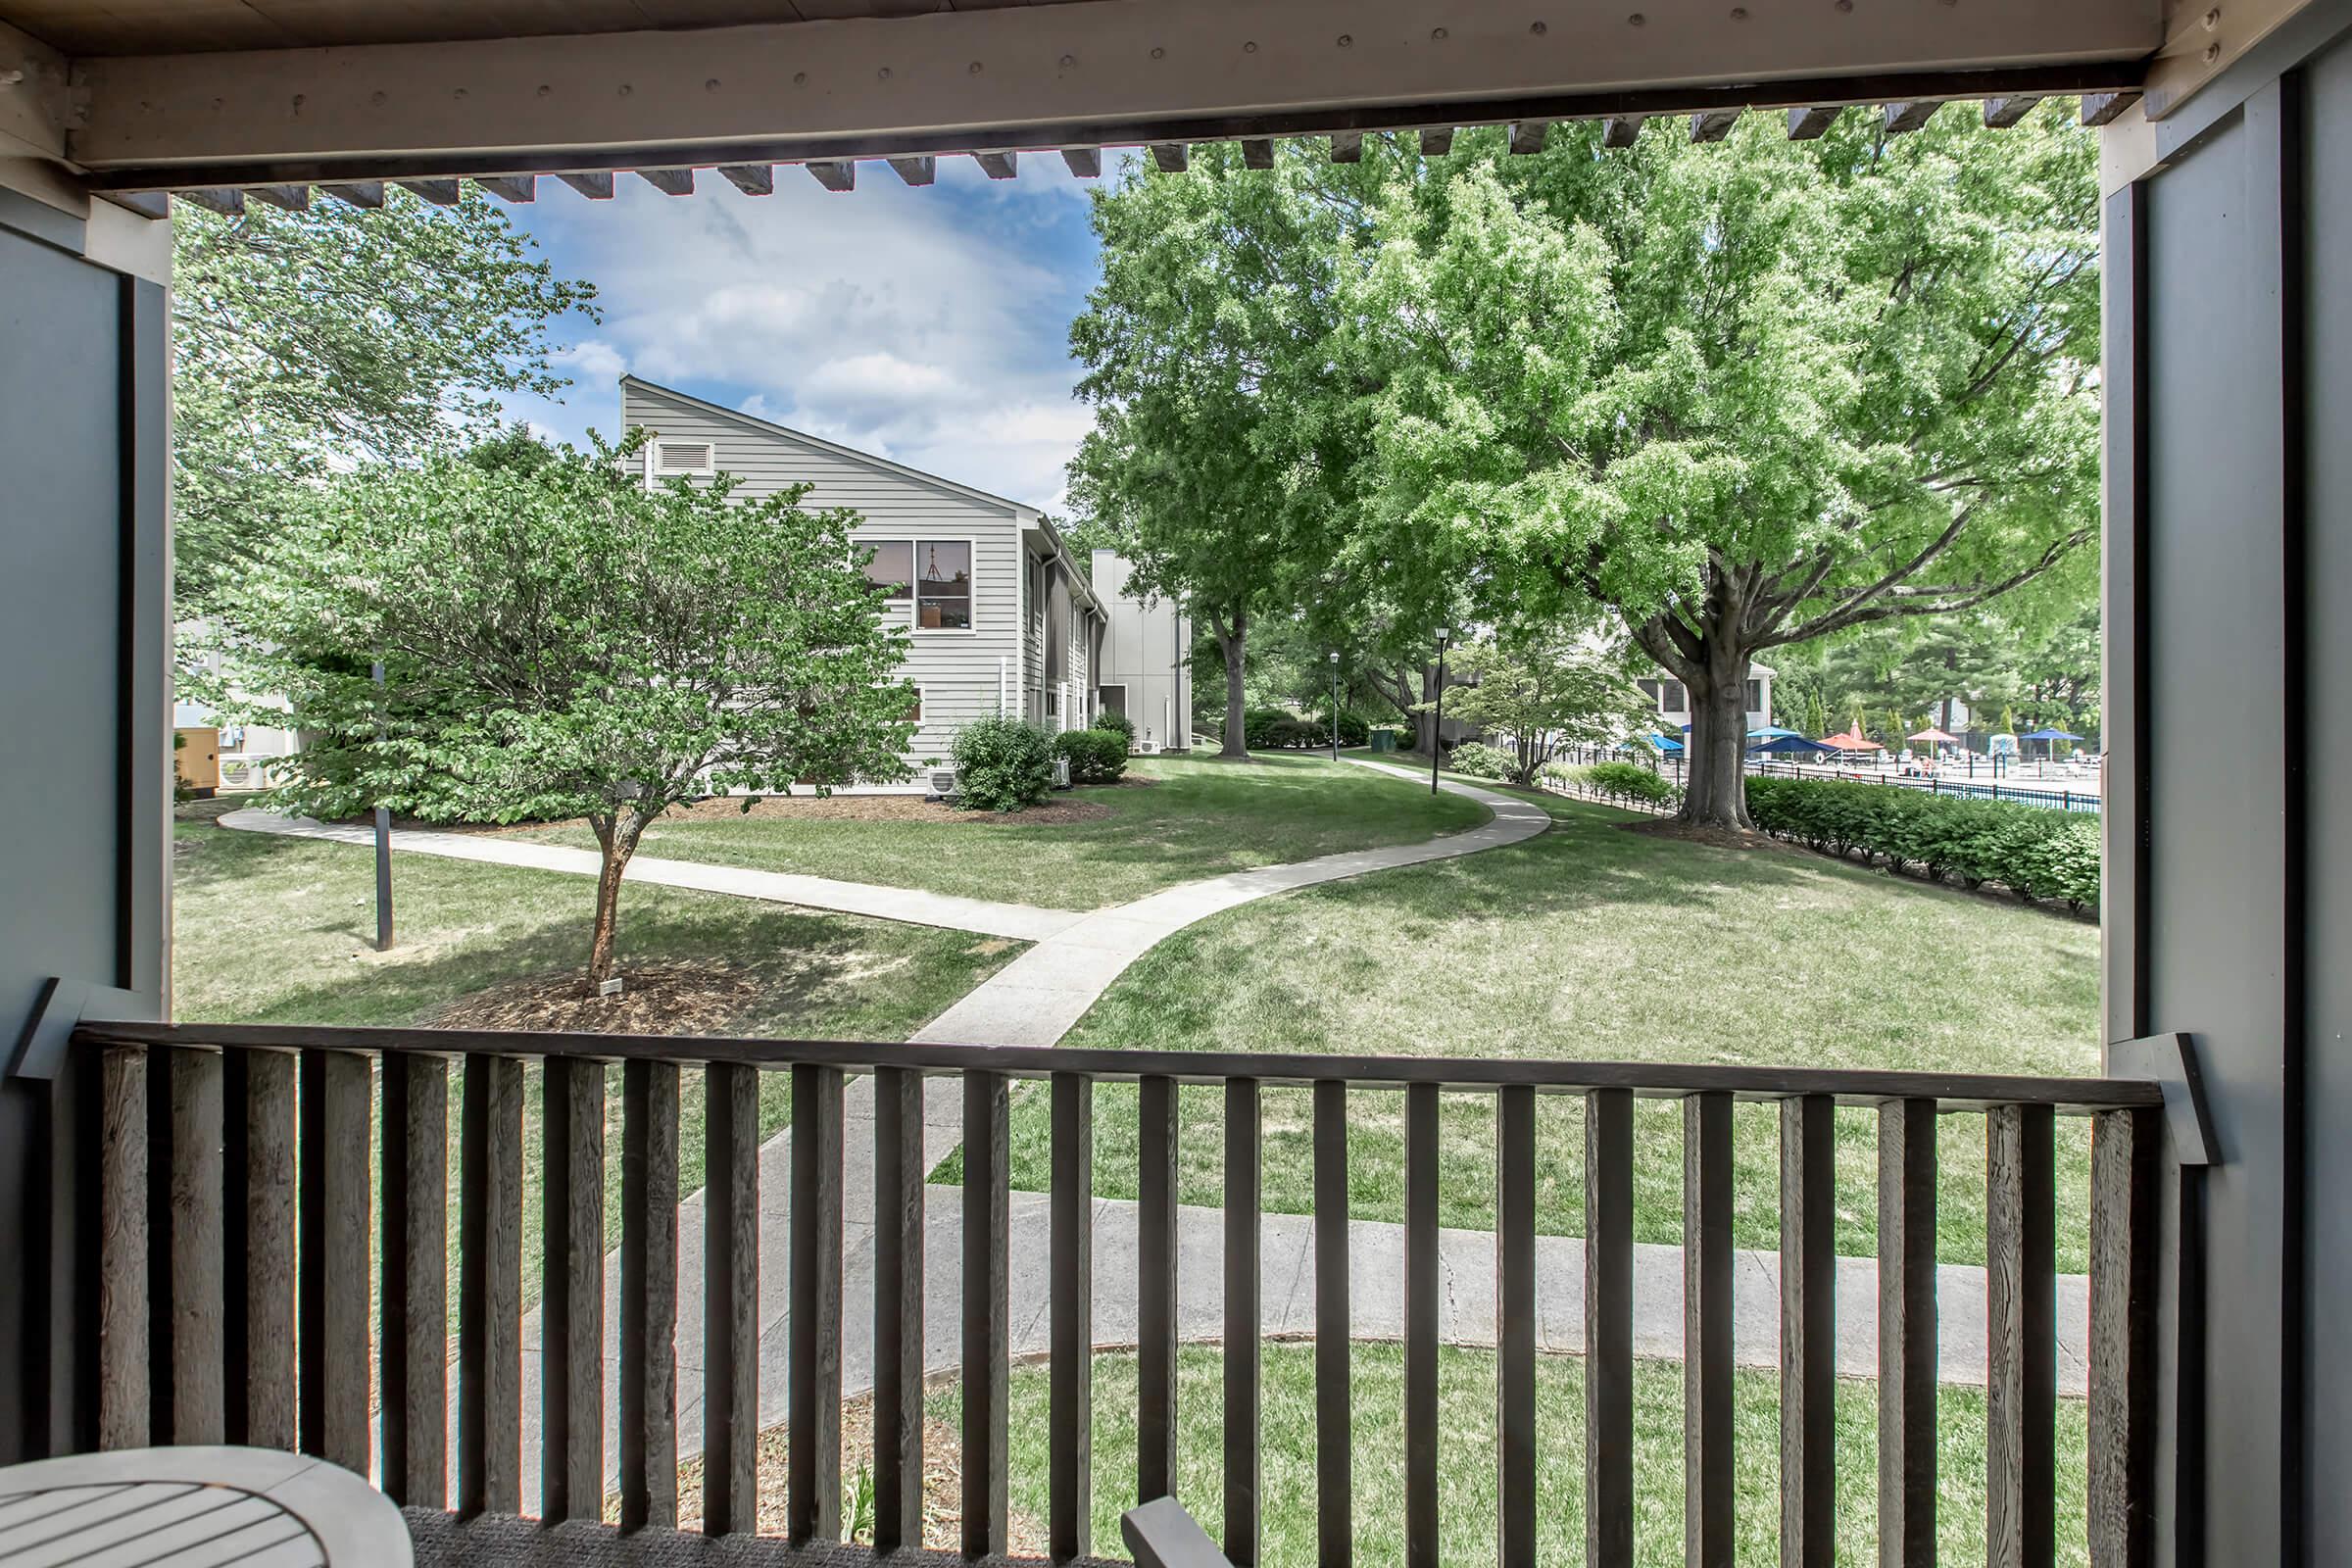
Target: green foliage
x,y
1002,764
1095,756
1626,781
1541,691
1481,760
1119,723
1353,731
305,340
2035,852
1275,729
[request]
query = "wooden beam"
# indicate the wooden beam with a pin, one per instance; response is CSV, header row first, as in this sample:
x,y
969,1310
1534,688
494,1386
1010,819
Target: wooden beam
x,y
669,182
1808,125
1527,136
999,165
1346,146
439,192
288,198
366,193
835,173
2100,108
1172,157
228,201
753,179
917,170
1713,125
147,204
1902,118
2002,112
596,186
1086,162
1257,152
510,187
1437,141
1620,131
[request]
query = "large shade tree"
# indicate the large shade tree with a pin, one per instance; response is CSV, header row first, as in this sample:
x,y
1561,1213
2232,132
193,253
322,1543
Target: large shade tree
x,y
1748,394
559,640
1204,345
307,341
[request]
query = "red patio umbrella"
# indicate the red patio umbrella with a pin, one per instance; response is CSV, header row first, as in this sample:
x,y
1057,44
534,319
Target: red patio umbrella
x,y
1848,741
1932,733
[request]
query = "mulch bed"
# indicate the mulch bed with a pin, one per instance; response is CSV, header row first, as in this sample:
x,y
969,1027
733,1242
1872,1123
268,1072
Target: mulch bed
x,y
658,998
943,1485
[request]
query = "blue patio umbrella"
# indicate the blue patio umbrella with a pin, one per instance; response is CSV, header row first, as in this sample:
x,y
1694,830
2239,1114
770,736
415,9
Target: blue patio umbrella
x,y
1665,743
2046,733
1789,742
1770,732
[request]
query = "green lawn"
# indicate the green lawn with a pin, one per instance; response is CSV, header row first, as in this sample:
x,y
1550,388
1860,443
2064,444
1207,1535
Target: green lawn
x,y
280,930
1594,943
1466,1456
1201,818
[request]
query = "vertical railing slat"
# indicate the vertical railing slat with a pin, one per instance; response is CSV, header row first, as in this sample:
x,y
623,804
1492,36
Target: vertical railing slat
x,y
337,1086
2021,1400
1515,1323
1071,1503
571,1311
731,1298
1609,1328
1907,1352
649,1295
2123,1307
898,1238
1422,1283
1335,1437
1155,1299
1808,1332
490,1288
1243,1232
1711,1483
199,1413
413,1291
812,1383
264,1082
987,1341
124,1395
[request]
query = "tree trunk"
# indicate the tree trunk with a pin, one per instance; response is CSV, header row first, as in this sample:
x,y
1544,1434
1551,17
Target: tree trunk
x,y
1233,646
1424,720
1715,788
617,839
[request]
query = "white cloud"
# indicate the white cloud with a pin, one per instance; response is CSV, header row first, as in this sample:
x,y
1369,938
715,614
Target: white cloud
x,y
929,325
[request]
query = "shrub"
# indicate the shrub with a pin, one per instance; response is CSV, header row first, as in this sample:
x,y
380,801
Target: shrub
x,y
1481,760
1118,723
1095,756
1002,764
1353,731
1259,726
1628,781
2034,852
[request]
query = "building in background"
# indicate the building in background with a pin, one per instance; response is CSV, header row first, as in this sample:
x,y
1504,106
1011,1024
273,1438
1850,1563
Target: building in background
x,y
1146,668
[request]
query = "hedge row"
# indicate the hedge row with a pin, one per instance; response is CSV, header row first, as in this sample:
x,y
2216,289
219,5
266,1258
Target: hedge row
x,y
1095,756
2035,852
1629,782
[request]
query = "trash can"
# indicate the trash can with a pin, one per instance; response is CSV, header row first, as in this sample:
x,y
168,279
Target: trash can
x,y
1384,740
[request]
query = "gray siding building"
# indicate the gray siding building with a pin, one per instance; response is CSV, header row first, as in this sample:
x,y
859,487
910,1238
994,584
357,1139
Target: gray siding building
x,y
1146,668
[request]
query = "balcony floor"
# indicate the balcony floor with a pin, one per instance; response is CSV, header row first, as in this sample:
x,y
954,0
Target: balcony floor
x,y
498,1540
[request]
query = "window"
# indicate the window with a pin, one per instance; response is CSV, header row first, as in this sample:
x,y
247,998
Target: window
x,y
891,571
1756,695
943,584
914,710
1649,689
1054,703
1672,699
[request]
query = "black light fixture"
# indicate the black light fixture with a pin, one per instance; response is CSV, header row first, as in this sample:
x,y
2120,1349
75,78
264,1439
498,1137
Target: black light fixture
x,y
1437,728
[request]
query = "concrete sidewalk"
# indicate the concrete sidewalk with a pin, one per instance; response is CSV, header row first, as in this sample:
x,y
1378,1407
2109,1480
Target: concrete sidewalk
x,y
1020,921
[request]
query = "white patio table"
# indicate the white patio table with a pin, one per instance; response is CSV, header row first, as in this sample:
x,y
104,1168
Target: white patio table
x,y
196,1508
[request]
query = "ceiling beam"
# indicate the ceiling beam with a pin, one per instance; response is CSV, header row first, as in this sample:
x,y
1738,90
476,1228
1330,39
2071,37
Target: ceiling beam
x,y
1257,152
366,193
2002,112
596,186
835,173
994,79
1346,146
1620,131
1903,119
1437,141
228,201
286,198
1809,125
439,192
916,170
999,165
753,179
1172,157
1084,162
1526,135
509,187
669,182
2100,108
1713,125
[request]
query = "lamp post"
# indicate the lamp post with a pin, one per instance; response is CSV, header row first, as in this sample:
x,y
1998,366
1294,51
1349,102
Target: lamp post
x,y
1335,705
1436,727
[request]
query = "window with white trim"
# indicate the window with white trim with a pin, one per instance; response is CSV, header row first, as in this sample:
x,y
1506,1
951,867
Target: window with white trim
x,y
943,584
890,571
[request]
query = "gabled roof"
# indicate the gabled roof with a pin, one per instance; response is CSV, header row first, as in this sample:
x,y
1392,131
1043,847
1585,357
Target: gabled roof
x,y
832,448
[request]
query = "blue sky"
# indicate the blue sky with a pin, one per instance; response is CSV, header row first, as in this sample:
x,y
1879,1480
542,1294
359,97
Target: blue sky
x,y
930,325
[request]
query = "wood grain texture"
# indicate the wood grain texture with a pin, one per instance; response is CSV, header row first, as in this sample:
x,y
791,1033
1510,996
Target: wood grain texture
x,y
1423,1283
649,1296
125,1398
1335,1380
2123,1246
571,1314
270,1230
1516,1475
987,1329
1244,1437
199,1262
1708,1457
812,1448
1070,1493
490,1289
731,1300
1808,1332
1155,1290
1907,1354
1609,1328
898,1236
336,1285
2021,1396
413,1291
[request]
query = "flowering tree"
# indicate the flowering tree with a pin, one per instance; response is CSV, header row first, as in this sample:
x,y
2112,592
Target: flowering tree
x,y
1540,693
559,640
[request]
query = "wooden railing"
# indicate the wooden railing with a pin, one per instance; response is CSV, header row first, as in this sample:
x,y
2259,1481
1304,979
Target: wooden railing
x,y
238,1206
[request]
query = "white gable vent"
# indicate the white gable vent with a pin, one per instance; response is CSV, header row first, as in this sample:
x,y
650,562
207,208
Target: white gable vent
x,y
682,456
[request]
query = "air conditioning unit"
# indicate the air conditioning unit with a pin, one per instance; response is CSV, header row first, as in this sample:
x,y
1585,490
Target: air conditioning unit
x,y
942,782
241,774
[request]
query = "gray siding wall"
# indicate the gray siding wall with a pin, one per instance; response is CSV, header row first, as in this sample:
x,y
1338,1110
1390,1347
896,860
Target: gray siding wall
x,y
958,670
1149,650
